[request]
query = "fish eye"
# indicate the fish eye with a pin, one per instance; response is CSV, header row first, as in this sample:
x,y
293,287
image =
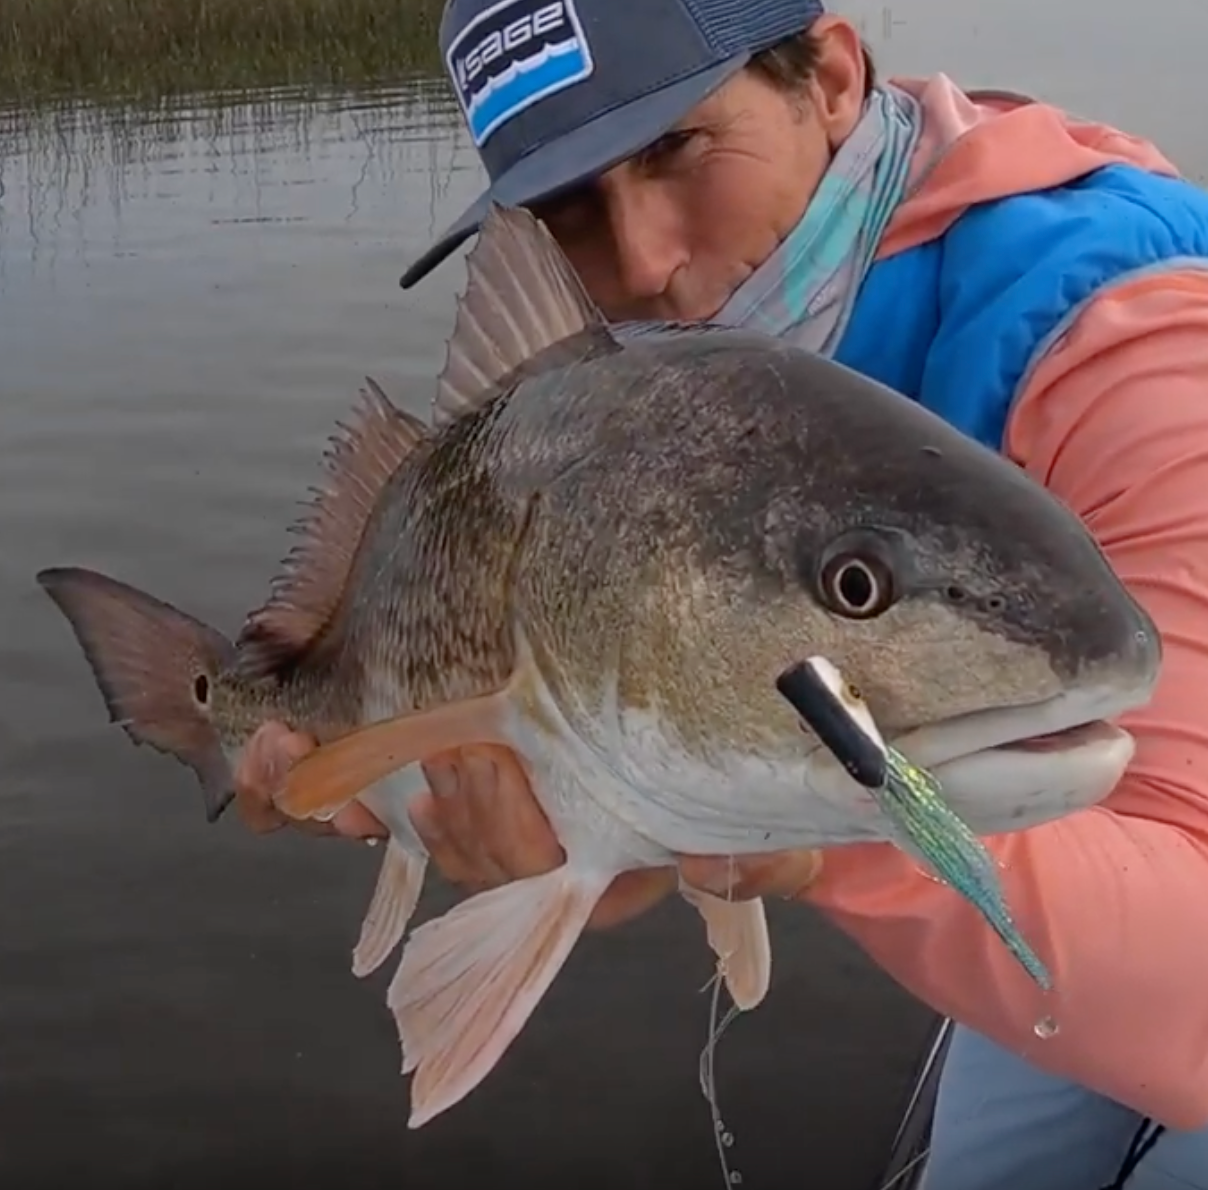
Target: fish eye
x,y
857,582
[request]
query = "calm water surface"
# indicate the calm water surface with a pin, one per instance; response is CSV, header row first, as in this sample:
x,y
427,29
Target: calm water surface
x,y
187,303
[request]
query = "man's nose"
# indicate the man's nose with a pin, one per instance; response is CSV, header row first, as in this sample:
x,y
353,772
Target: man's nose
x,y
647,234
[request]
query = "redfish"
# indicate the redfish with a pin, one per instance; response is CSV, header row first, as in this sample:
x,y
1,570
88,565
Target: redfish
x,y
602,554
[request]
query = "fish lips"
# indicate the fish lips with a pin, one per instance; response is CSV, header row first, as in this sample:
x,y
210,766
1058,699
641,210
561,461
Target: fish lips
x,y
1013,787
1014,767
1072,719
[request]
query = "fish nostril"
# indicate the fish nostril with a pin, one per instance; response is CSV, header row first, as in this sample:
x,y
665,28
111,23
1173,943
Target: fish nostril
x,y
993,605
1147,645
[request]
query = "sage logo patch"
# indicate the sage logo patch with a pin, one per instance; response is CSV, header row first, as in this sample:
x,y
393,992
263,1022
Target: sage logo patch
x,y
512,55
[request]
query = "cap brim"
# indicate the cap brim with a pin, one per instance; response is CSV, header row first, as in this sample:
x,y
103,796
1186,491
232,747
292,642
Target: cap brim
x,y
574,158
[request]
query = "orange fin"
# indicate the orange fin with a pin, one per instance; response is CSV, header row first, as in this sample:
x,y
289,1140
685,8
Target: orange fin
x,y
156,668
738,934
359,461
328,778
469,981
399,884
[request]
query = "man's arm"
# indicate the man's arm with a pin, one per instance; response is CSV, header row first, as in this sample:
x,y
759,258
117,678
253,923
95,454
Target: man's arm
x,y
1115,898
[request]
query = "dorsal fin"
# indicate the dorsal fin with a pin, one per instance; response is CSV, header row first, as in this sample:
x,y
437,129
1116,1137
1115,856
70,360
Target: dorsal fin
x,y
360,458
522,297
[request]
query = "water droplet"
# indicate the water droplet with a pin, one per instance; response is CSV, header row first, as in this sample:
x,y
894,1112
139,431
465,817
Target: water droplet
x,y
1045,1028
727,1139
735,1178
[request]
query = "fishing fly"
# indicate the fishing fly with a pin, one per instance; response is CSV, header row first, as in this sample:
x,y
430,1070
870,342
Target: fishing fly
x,y
910,796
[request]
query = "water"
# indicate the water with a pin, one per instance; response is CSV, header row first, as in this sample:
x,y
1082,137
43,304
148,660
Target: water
x,y
1046,1028
186,306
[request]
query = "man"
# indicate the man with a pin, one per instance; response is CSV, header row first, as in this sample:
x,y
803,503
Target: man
x,y
1042,283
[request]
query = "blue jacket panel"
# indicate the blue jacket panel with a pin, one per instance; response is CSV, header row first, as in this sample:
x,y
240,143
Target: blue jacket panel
x,y
958,323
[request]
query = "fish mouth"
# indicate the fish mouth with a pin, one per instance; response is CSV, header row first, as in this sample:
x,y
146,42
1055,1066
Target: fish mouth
x,y
1068,722
1096,731
1001,769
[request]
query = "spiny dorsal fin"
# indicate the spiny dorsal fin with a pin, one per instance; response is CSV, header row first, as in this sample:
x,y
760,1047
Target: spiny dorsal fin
x,y
360,458
522,296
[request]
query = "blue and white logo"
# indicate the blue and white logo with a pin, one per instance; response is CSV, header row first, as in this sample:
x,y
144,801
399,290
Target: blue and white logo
x,y
512,55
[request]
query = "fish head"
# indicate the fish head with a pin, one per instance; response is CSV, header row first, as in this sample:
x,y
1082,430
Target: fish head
x,y
982,624
717,506
994,654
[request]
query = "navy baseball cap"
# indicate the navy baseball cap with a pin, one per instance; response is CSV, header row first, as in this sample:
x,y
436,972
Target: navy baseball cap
x,y
555,92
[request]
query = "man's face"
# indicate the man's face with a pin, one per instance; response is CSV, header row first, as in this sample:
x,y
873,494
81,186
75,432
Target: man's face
x,y
672,232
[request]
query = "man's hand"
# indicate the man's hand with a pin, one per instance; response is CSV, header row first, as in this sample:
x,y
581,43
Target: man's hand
x,y
270,754
483,827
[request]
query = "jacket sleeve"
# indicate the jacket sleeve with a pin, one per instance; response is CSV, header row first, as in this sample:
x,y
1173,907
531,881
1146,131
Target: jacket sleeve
x,y
1114,421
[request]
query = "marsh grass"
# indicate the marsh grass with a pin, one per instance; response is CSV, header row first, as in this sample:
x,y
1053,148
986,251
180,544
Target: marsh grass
x,y
155,48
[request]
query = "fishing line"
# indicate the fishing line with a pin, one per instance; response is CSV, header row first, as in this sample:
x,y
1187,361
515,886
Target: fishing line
x,y
909,1167
723,1138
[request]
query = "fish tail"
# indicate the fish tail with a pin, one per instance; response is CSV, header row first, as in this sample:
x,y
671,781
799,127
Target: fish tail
x,y
156,668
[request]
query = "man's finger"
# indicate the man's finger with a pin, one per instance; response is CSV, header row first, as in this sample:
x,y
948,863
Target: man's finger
x,y
276,755
258,814
630,895
444,851
453,811
784,874
354,821
312,826
513,829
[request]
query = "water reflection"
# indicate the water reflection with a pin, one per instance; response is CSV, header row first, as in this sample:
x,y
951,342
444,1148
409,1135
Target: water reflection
x,y
74,178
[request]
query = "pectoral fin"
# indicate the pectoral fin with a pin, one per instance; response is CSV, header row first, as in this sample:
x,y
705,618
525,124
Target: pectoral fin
x,y
469,980
738,933
328,778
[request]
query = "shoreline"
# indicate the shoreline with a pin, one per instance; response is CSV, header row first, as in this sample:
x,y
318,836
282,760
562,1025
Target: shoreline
x,y
154,49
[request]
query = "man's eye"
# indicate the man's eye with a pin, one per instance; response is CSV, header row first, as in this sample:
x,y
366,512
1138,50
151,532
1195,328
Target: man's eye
x,y
568,217
668,145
